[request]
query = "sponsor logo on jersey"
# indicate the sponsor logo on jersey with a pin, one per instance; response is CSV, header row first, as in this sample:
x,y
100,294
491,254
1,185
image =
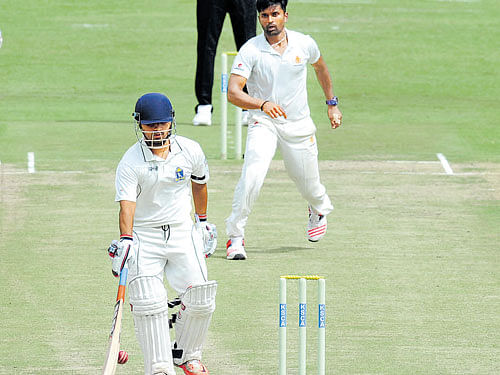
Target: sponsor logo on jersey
x,y
179,174
297,60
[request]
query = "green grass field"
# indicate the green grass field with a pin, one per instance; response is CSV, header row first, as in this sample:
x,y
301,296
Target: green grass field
x,y
411,257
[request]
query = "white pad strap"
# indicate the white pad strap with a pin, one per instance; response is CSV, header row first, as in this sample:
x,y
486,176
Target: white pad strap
x,y
193,319
148,299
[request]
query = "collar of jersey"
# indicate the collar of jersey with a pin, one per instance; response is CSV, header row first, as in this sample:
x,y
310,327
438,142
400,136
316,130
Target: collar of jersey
x,y
266,47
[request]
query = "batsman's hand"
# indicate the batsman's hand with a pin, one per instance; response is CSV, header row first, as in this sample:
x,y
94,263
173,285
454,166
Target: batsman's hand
x,y
209,234
121,252
209,239
335,116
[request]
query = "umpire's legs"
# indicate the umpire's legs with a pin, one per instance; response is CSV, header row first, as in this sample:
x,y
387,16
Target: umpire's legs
x,y
243,20
210,16
260,149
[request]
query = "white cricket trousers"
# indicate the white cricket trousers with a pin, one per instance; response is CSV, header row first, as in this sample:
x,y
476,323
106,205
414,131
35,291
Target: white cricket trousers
x,y
174,250
297,144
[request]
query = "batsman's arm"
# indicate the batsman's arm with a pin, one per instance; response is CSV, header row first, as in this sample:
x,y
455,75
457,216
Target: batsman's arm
x,y
240,98
126,217
325,81
200,198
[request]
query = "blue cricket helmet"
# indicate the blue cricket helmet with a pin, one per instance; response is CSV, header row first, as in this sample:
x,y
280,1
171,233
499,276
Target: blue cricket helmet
x,y
153,108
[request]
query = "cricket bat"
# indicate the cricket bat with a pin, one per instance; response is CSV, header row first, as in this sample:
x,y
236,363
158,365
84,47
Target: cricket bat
x,y
116,327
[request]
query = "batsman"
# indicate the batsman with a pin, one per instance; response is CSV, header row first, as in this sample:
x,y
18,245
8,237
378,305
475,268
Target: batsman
x,y
156,181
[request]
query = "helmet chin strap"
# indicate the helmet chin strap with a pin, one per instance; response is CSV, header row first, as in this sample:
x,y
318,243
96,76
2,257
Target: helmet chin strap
x,y
156,143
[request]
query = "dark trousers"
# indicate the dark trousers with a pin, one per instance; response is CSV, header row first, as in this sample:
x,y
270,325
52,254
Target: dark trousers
x,y
210,16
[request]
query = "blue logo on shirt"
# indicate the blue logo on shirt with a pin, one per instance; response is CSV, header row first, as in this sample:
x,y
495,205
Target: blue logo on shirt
x,y
179,174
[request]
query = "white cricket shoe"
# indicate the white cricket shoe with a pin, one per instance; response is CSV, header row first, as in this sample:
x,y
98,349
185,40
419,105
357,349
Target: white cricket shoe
x,y
236,249
194,367
316,227
245,116
203,115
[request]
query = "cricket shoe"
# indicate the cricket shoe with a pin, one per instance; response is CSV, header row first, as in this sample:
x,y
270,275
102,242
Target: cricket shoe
x,y
236,249
194,367
316,227
203,115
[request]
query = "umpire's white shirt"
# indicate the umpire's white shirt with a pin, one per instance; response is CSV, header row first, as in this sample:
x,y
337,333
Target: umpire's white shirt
x,y
278,78
161,188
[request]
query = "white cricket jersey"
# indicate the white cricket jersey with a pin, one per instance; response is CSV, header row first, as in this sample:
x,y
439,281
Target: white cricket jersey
x,y
161,188
278,78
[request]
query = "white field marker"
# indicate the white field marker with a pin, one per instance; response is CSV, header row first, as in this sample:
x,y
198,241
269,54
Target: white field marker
x,y
445,163
31,162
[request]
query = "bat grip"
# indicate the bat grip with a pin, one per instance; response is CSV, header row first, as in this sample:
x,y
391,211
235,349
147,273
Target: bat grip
x,y
122,284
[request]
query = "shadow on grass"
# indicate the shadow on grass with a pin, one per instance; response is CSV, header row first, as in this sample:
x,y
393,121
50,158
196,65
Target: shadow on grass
x,y
221,254
283,249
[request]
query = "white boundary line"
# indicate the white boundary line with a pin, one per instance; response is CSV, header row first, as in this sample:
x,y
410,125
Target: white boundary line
x,y
444,163
442,160
412,161
44,172
431,173
361,172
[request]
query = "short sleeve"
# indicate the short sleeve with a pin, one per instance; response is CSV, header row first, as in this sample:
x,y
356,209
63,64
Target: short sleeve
x,y
126,182
243,62
314,53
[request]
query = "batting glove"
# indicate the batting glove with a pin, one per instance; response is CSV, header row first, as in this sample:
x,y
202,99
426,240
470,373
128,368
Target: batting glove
x,y
209,234
120,252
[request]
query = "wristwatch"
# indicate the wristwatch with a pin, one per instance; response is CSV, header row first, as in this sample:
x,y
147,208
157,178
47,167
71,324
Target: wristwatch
x,y
333,101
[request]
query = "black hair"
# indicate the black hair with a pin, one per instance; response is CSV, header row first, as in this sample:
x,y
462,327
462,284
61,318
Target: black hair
x,y
264,4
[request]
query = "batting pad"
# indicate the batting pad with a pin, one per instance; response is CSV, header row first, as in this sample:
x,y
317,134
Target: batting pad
x,y
193,319
148,299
